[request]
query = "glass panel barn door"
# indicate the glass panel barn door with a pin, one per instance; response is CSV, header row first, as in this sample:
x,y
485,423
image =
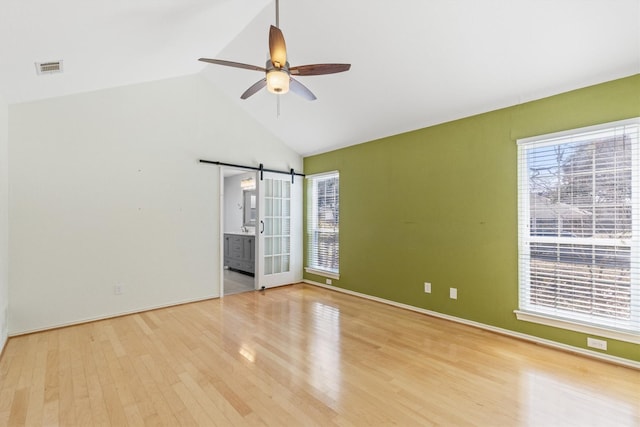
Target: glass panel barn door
x,y
279,230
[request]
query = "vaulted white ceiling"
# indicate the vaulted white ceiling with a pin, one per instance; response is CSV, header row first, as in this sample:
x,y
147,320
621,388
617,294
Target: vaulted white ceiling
x,y
415,63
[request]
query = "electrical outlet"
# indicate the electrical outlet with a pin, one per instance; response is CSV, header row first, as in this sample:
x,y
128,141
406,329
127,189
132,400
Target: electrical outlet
x,y
427,287
117,290
329,281
453,293
595,343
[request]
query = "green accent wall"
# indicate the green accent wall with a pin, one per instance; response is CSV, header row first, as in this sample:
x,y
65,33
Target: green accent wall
x,y
439,204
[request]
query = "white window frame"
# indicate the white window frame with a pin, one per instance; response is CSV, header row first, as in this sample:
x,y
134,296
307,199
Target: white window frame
x,y
575,322
312,226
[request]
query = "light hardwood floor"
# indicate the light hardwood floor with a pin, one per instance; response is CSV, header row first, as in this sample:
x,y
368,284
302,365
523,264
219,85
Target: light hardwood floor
x,y
297,356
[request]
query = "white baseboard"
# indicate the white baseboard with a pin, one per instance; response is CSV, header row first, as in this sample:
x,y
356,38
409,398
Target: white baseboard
x,y
584,352
123,313
109,316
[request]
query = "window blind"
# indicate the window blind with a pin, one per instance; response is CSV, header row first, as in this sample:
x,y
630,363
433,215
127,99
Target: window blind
x,y
323,222
579,225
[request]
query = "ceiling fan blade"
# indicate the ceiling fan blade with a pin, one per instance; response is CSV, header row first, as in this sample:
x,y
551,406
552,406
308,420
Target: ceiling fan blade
x,y
277,47
254,88
300,89
319,69
233,64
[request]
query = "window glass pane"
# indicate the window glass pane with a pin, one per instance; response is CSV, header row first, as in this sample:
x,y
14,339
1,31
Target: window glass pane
x,y
582,278
268,187
286,207
276,245
277,264
277,207
268,245
268,207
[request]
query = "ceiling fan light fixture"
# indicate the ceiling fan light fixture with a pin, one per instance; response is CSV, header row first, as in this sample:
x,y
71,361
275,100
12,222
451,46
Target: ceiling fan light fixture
x,y
278,81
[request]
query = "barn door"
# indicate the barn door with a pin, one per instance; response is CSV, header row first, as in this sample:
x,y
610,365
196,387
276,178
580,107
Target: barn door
x,y
279,230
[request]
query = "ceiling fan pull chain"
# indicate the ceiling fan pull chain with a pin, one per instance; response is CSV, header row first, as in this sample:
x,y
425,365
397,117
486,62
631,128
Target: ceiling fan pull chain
x,y
278,107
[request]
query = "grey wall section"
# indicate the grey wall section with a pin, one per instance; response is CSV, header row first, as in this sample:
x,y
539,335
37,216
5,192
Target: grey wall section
x,y
106,190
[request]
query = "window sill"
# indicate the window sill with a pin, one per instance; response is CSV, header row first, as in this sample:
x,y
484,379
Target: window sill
x,y
577,327
323,273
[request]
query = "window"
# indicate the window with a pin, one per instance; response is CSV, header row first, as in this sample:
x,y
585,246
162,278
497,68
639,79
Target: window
x,y
323,224
579,230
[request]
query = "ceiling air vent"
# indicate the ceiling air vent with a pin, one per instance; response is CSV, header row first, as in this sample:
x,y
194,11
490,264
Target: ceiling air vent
x,y
50,67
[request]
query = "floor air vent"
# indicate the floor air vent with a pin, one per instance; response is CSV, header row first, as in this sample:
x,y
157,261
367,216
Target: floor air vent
x,y
50,67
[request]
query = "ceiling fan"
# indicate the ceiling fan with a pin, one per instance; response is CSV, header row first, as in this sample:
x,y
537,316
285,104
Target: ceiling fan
x,y
278,74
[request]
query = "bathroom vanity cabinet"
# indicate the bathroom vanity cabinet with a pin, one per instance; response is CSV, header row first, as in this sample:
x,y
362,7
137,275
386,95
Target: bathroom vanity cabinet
x,y
239,252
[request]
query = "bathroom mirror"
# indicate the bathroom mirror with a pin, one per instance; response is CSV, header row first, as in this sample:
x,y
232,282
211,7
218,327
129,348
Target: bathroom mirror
x,y
249,208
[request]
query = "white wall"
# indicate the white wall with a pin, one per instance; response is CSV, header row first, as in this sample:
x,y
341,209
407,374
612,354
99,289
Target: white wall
x,y
4,231
105,189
